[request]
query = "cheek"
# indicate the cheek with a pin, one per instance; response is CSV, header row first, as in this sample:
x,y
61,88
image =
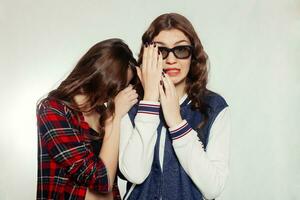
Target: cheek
x,y
129,76
185,66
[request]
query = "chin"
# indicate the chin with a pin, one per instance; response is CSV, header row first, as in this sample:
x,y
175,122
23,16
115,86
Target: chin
x,y
177,80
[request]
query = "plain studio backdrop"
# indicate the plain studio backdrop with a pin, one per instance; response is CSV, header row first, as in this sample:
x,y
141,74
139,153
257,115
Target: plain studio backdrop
x,y
254,50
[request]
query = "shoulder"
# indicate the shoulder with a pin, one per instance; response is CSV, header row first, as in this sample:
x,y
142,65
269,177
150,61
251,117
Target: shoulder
x,y
215,101
52,105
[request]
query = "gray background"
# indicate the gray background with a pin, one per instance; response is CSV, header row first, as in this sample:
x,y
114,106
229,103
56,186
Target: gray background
x,y
254,50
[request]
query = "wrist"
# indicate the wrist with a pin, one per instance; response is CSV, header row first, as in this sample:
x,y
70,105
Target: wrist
x,y
151,93
150,97
117,117
175,122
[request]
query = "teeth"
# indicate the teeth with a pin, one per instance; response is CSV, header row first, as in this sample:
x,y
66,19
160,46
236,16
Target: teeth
x,y
174,71
166,70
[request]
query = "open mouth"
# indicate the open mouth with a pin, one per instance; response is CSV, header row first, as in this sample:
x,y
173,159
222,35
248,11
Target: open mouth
x,y
172,71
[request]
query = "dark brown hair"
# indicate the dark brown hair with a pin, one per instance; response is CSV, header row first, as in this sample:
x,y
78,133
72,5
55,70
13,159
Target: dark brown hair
x,y
198,74
100,74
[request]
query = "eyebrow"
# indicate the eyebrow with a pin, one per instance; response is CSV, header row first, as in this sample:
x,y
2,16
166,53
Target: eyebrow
x,y
180,41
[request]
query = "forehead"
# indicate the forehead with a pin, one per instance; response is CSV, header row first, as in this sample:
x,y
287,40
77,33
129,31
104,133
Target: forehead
x,y
171,37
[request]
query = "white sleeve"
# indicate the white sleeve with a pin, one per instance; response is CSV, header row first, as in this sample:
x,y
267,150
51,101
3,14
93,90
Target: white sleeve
x,y
208,170
137,143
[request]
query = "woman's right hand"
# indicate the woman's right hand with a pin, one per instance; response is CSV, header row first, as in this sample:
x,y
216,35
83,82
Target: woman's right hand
x,y
124,100
150,72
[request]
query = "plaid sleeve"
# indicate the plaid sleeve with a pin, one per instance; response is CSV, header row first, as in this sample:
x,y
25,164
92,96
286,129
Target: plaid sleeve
x,y
66,146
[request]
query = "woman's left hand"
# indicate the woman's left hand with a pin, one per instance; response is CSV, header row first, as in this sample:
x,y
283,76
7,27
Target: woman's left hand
x,y
170,102
124,100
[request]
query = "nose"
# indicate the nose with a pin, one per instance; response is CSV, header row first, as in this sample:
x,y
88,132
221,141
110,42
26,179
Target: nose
x,y
171,59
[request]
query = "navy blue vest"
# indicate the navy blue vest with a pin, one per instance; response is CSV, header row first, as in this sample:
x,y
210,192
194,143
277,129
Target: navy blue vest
x,y
172,183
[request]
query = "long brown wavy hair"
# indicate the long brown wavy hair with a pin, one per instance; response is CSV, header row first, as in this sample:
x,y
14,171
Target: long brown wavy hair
x,y
197,77
99,75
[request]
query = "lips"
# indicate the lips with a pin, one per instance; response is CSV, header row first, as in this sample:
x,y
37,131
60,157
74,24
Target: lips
x,y
172,71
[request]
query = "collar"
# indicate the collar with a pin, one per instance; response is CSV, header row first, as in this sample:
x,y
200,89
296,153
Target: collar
x,y
184,100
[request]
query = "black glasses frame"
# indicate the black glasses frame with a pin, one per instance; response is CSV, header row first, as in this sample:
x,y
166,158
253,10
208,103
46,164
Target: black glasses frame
x,y
173,50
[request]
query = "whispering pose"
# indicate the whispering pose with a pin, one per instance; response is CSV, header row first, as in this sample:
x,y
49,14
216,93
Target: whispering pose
x,y
79,125
175,142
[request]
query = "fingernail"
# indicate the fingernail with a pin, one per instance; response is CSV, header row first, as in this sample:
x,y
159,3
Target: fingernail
x,y
146,44
158,52
160,82
163,74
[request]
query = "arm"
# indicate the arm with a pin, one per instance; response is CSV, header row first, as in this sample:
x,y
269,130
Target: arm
x,y
110,148
137,144
109,155
66,146
124,100
110,145
208,170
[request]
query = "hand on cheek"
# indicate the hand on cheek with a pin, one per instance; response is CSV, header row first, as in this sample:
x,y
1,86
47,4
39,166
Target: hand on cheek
x,y
169,102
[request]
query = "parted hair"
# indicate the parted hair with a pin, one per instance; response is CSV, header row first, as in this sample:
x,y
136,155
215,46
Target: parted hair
x,y
99,75
197,78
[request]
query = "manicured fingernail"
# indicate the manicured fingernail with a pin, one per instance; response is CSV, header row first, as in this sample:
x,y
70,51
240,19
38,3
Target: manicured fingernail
x,y
160,82
163,74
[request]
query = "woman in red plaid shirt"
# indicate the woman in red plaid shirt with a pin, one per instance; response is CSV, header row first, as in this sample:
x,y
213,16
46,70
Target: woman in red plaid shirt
x,y
79,124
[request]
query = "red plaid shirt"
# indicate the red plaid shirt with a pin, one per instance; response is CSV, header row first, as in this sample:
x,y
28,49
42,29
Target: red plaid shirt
x,y
67,162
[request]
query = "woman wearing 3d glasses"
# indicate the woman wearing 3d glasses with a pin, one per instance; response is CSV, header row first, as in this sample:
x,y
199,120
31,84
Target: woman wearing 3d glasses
x,y
175,143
